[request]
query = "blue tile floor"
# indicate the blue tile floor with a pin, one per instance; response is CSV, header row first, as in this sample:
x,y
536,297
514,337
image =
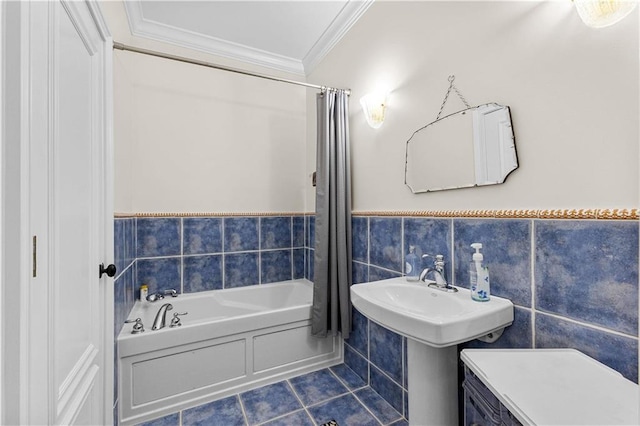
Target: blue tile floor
x,y
312,399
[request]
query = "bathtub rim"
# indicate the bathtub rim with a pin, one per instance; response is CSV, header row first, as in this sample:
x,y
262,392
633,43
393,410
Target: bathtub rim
x,y
152,340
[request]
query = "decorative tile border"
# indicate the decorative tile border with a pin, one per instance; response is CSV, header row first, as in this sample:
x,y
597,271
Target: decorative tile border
x,y
610,214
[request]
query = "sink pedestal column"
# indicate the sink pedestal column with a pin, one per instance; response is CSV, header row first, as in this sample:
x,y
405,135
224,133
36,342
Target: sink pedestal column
x,y
433,384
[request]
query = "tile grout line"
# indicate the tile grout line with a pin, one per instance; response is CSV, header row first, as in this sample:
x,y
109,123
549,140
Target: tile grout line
x,y
353,392
182,255
293,273
384,373
367,408
223,268
259,250
533,282
304,407
403,264
244,411
452,240
588,325
129,266
282,416
344,382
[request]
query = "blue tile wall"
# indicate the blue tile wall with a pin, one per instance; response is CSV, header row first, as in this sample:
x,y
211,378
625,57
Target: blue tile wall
x,y
276,233
386,351
193,254
241,269
241,234
587,272
359,338
124,238
298,232
360,241
428,236
202,235
202,273
507,253
298,263
583,273
157,237
385,248
616,351
275,266
160,274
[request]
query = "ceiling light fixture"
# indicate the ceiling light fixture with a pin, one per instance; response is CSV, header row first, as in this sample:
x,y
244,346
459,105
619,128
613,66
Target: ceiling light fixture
x,y
603,13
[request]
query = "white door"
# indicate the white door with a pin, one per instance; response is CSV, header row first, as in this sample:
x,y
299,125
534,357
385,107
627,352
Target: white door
x,y
70,330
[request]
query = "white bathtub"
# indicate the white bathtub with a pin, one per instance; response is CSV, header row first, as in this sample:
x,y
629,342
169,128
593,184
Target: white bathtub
x,y
230,341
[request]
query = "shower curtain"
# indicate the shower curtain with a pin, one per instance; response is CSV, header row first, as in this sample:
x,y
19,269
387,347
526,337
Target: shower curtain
x,y
332,260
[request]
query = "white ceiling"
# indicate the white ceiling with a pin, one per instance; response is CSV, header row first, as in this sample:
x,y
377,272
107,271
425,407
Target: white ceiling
x,y
287,35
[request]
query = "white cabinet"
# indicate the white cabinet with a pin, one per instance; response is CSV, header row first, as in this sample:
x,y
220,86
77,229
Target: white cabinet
x,y
552,387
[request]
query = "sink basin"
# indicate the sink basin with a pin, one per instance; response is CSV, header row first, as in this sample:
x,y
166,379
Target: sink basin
x,y
428,315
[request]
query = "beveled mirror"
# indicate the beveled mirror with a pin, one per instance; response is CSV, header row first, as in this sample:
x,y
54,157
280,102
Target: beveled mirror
x,y
472,147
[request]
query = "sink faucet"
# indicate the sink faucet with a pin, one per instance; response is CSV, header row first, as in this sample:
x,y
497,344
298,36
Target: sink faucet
x,y
161,316
439,274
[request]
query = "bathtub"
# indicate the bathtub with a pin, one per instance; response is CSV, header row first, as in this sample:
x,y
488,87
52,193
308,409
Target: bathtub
x,y
230,341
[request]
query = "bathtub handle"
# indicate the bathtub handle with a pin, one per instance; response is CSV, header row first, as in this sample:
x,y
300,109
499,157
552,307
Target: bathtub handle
x,y
137,327
175,321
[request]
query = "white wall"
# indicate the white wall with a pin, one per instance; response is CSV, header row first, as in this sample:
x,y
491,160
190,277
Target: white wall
x,y
194,139
573,93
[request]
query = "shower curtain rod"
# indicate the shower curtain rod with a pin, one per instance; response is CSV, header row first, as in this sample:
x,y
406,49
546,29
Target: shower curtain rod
x,y
121,46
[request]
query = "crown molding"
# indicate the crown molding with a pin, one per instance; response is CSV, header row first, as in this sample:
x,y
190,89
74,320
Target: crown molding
x,y
153,30
146,28
347,17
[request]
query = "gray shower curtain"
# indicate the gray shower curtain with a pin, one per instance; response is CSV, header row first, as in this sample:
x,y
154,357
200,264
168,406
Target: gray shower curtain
x,y
332,261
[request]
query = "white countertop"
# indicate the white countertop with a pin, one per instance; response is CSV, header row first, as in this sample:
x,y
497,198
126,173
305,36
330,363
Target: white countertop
x,y
556,386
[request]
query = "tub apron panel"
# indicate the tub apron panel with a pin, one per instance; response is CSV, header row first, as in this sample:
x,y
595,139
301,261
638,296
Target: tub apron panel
x,y
161,372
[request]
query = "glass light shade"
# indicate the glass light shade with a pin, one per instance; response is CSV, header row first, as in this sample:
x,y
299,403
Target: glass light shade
x,y
374,106
602,13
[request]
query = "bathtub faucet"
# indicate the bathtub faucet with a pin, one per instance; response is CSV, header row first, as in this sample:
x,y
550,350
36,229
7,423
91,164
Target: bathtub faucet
x,y
161,316
158,296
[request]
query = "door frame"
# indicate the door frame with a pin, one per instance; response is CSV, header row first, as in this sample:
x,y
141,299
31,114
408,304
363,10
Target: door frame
x,y
17,126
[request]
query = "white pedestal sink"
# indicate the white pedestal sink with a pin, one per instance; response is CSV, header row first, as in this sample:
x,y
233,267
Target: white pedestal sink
x,y
434,322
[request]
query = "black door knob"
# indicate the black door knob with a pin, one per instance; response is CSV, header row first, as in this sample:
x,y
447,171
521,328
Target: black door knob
x,y
109,270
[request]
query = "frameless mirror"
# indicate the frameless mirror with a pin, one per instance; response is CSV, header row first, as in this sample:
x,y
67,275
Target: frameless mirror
x,y
472,147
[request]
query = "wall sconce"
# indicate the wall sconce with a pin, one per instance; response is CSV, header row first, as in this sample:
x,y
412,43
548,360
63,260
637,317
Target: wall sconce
x,y
374,106
602,13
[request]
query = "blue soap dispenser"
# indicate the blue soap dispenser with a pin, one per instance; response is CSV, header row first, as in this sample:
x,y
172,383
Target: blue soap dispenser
x,y
479,276
411,265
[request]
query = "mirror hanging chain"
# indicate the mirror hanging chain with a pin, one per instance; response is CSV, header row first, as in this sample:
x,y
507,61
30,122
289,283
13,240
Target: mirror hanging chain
x,y
446,97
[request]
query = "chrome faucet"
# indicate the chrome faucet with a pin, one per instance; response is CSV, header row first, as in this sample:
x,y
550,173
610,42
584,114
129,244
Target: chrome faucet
x,y
161,316
160,295
439,274
171,292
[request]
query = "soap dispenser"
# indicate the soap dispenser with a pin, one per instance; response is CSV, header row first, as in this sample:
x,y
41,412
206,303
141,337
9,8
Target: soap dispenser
x,y
411,265
479,276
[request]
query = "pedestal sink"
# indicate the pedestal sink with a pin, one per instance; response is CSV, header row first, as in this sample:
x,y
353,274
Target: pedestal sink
x,y
434,322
